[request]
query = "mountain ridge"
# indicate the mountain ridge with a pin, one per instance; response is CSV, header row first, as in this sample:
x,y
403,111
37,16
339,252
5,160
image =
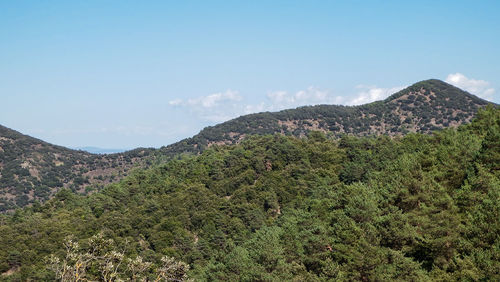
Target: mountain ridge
x,y
99,150
32,169
298,121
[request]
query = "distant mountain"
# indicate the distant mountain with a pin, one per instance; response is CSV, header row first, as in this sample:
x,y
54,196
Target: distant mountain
x,y
31,169
97,150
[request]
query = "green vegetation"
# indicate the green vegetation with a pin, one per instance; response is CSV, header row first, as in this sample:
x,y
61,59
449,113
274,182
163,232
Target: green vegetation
x,y
32,170
277,208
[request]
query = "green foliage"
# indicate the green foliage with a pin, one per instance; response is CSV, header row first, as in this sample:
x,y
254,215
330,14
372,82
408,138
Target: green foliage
x,y
277,208
32,170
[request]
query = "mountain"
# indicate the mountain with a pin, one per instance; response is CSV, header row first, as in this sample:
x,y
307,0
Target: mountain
x,y
423,107
279,208
31,169
97,150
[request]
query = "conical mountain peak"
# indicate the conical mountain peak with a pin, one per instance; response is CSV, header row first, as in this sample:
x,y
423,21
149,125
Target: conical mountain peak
x,y
438,89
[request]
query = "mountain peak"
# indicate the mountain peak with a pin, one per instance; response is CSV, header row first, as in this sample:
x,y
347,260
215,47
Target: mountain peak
x,y
422,107
437,89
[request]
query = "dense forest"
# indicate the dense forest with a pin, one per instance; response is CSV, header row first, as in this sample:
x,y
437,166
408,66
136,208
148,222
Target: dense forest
x,y
32,170
274,208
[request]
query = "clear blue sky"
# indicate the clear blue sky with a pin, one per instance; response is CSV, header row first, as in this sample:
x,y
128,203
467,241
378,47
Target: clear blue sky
x,y
123,74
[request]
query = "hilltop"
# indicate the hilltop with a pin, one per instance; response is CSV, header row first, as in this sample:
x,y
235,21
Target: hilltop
x,y
31,169
423,107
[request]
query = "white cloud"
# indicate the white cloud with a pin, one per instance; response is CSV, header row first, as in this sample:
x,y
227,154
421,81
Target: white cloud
x,y
219,117
315,96
216,107
371,94
213,100
175,102
223,106
257,108
208,101
477,87
279,97
311,96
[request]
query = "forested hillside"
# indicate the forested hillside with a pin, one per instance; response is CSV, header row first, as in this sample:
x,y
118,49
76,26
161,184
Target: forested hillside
x,y
417,207
32,170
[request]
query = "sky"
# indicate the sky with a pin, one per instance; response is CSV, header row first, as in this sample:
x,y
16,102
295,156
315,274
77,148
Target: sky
x,y
126,74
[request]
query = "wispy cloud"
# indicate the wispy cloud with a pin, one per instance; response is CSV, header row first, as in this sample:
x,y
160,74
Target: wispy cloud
x,y
175,102
216,107
368,94
222,106
209,101
477,87
279,100
315,96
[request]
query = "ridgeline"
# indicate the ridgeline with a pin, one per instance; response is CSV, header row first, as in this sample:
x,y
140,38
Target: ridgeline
x,y
32,170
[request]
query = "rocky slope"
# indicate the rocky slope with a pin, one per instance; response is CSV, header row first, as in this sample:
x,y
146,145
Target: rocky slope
x,y
33,169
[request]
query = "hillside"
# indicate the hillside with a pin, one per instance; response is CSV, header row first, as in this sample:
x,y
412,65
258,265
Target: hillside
x,y
279,208
31,169
423,107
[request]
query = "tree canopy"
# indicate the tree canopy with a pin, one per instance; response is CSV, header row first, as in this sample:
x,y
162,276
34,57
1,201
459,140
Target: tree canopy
x,y
418,207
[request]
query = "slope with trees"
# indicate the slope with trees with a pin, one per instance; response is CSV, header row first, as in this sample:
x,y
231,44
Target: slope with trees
x,y
417,207
32,170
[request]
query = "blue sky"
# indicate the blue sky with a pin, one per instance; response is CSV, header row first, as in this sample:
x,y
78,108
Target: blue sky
x,y
123,74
